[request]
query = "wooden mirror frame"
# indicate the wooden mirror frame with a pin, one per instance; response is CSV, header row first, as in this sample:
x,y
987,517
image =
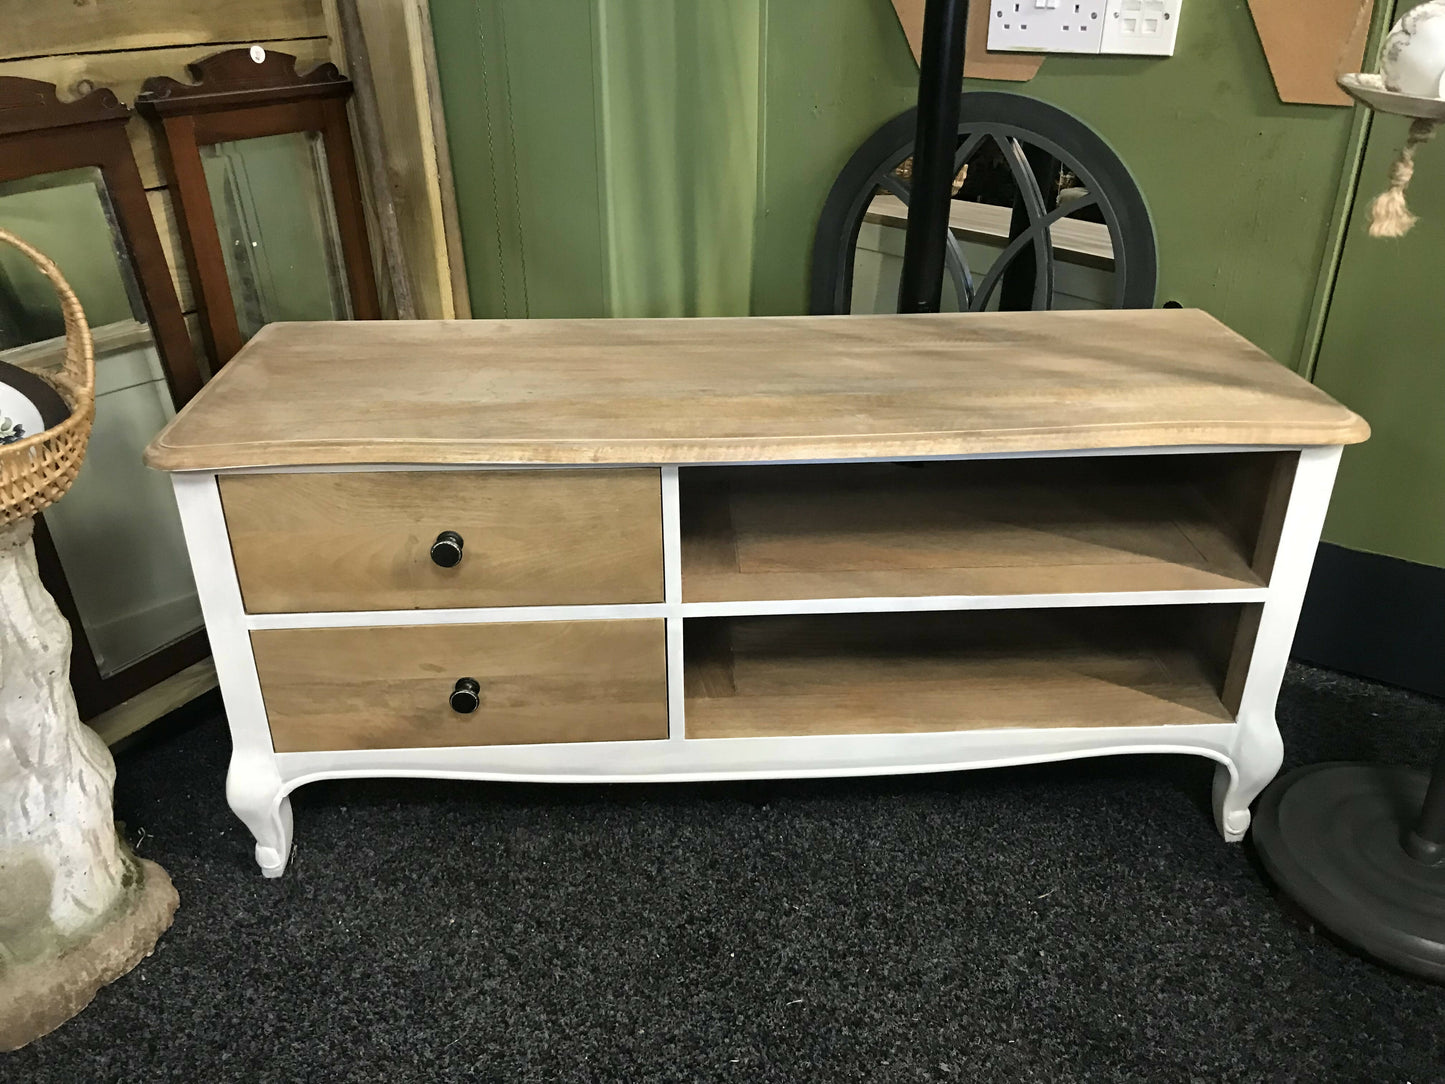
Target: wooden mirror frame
x,y
40,134
236,96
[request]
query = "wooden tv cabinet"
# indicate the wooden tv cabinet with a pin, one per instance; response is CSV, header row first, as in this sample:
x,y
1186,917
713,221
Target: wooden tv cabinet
x,y
590,551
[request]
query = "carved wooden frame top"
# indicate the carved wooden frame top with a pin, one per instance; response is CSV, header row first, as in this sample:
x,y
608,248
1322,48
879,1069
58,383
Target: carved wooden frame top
x,y
246,94
40,134
28,105
235,79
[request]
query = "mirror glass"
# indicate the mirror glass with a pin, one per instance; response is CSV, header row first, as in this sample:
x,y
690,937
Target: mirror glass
x,y
117,531
68,217
277,225
982,218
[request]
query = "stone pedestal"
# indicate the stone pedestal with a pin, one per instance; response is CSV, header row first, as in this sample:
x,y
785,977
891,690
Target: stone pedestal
x,y
77,908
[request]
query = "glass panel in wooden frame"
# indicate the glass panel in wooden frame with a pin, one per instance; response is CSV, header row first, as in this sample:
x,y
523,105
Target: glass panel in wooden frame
x,y
240,96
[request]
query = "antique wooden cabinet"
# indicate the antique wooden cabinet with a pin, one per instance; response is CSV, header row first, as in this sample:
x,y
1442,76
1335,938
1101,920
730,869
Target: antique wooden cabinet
x,y
703,549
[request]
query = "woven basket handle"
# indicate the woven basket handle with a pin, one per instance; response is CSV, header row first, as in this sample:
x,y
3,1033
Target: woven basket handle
x,y
77,378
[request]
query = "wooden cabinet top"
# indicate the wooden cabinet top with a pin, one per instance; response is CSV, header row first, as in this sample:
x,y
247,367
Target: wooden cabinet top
x,y
742,390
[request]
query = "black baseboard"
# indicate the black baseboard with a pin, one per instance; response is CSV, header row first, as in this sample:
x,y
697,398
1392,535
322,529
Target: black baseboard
x,y
1379,617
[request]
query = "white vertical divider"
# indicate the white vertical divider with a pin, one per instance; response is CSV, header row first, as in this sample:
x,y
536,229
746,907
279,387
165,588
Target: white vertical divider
x,y
672,598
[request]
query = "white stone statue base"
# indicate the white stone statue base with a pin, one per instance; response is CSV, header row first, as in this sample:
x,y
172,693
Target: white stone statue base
x,y
77,908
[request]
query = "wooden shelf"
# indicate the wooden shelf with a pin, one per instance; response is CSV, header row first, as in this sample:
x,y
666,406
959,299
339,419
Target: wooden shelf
x,y
999,527
928,672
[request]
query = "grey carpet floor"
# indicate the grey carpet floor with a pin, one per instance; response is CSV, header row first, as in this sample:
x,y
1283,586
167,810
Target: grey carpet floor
x,y
1068,922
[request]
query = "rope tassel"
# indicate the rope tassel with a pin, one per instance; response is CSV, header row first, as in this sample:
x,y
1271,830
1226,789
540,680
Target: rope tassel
x,y
1389,214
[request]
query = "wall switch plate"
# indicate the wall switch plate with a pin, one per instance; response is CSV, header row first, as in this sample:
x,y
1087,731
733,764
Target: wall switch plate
x,y
1141,27
1046,26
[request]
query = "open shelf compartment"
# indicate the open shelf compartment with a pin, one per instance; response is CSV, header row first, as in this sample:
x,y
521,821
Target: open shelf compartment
x,y
1103,524
896,673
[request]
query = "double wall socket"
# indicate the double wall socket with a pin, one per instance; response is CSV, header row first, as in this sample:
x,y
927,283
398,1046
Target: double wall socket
x,y
1145,27
1046,26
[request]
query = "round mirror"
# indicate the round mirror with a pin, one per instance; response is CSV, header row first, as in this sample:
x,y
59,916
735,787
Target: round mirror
x,y
1043,215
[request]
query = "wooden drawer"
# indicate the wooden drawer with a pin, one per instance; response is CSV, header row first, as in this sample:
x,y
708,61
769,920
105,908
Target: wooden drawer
x,y
361,541
388,688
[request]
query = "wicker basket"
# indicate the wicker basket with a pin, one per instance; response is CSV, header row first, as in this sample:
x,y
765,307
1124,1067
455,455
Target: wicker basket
x,y
35,472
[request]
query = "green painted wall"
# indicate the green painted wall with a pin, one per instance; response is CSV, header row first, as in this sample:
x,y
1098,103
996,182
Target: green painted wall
x,y
1383,353
835,70
615,157
1241,187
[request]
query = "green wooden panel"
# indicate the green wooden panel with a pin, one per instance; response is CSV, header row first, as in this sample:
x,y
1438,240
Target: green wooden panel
x,y
834,70
1383,353
551,87
470,61
518,88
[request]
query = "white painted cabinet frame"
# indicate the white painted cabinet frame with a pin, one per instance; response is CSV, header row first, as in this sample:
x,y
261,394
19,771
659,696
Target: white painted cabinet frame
x,y
1248,751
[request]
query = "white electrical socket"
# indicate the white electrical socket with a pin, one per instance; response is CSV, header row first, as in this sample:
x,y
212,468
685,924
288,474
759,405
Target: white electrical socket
x,y
1142,27
1046,26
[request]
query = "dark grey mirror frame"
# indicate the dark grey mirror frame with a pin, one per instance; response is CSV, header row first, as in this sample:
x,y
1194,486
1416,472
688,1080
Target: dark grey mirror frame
x,y
1018,125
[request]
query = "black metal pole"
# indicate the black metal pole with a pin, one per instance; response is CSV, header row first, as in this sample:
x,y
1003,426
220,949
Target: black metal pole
x,y
940,83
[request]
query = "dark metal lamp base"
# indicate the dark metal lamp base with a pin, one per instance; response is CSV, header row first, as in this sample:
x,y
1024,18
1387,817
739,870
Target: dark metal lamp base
x,y
1337,839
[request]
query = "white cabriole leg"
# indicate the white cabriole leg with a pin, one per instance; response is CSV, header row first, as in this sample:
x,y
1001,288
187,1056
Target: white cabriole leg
x,y
1258,750
1254,760
253,791
253,783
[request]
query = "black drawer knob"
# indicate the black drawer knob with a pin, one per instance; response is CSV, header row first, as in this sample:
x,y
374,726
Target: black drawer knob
x,y
466,696
446,551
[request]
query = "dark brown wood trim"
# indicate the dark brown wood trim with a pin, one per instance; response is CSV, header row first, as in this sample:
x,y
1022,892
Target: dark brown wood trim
x,y
34,154
234,79
30,105
143,242
276,118
200,238
350,212
151,670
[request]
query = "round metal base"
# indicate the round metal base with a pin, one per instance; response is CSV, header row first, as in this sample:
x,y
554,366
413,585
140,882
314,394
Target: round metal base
x,y
1331,837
